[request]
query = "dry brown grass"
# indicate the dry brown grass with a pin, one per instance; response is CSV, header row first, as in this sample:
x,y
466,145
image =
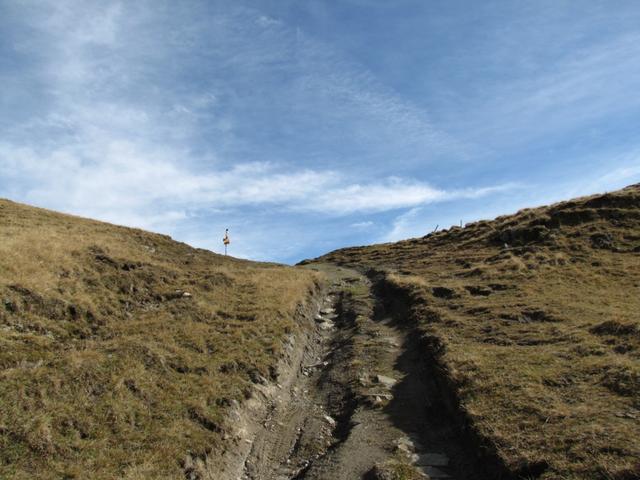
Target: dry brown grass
x,y
106,369
533,321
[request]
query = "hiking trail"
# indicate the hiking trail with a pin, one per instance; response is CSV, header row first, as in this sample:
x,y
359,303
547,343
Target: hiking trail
x,y
361,405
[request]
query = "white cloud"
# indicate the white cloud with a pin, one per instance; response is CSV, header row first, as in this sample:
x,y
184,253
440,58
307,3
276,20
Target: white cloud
x,y
362,225
616,168
266,21
415,222
367,109
155,117
120,181
405,225
106,149
619,177
373,197
579,86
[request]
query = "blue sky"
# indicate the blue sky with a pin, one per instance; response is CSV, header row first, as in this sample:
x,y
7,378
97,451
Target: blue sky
x,y
305,126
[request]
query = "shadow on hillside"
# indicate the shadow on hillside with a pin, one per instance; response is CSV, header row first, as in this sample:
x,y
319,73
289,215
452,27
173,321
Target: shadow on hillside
x,y
425,411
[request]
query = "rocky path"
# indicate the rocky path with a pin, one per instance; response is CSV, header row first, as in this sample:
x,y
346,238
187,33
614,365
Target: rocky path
x,y
299,427
361,406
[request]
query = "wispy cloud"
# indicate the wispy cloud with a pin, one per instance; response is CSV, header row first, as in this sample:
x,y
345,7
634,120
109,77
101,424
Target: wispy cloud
x,y
106,179
559,96
106,148
185,117
362,225
367,112
405,225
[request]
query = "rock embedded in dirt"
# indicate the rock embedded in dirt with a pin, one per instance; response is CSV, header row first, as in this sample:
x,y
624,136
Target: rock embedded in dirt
x,y
327,311
330,420
388,382
403,450
256,378
405,445
378,399
381,400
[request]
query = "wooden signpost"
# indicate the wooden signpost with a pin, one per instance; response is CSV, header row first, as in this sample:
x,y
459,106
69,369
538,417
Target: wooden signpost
x,y
226,240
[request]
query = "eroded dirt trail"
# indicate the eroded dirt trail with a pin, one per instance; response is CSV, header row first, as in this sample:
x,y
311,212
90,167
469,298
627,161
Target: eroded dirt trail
x,y
301,423
361,405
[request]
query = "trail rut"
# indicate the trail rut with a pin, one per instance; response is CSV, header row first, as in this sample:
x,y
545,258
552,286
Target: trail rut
x,y
362,405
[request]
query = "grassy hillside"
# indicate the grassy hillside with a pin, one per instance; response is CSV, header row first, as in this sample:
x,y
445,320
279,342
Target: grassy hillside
x,y
120,349
532,320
